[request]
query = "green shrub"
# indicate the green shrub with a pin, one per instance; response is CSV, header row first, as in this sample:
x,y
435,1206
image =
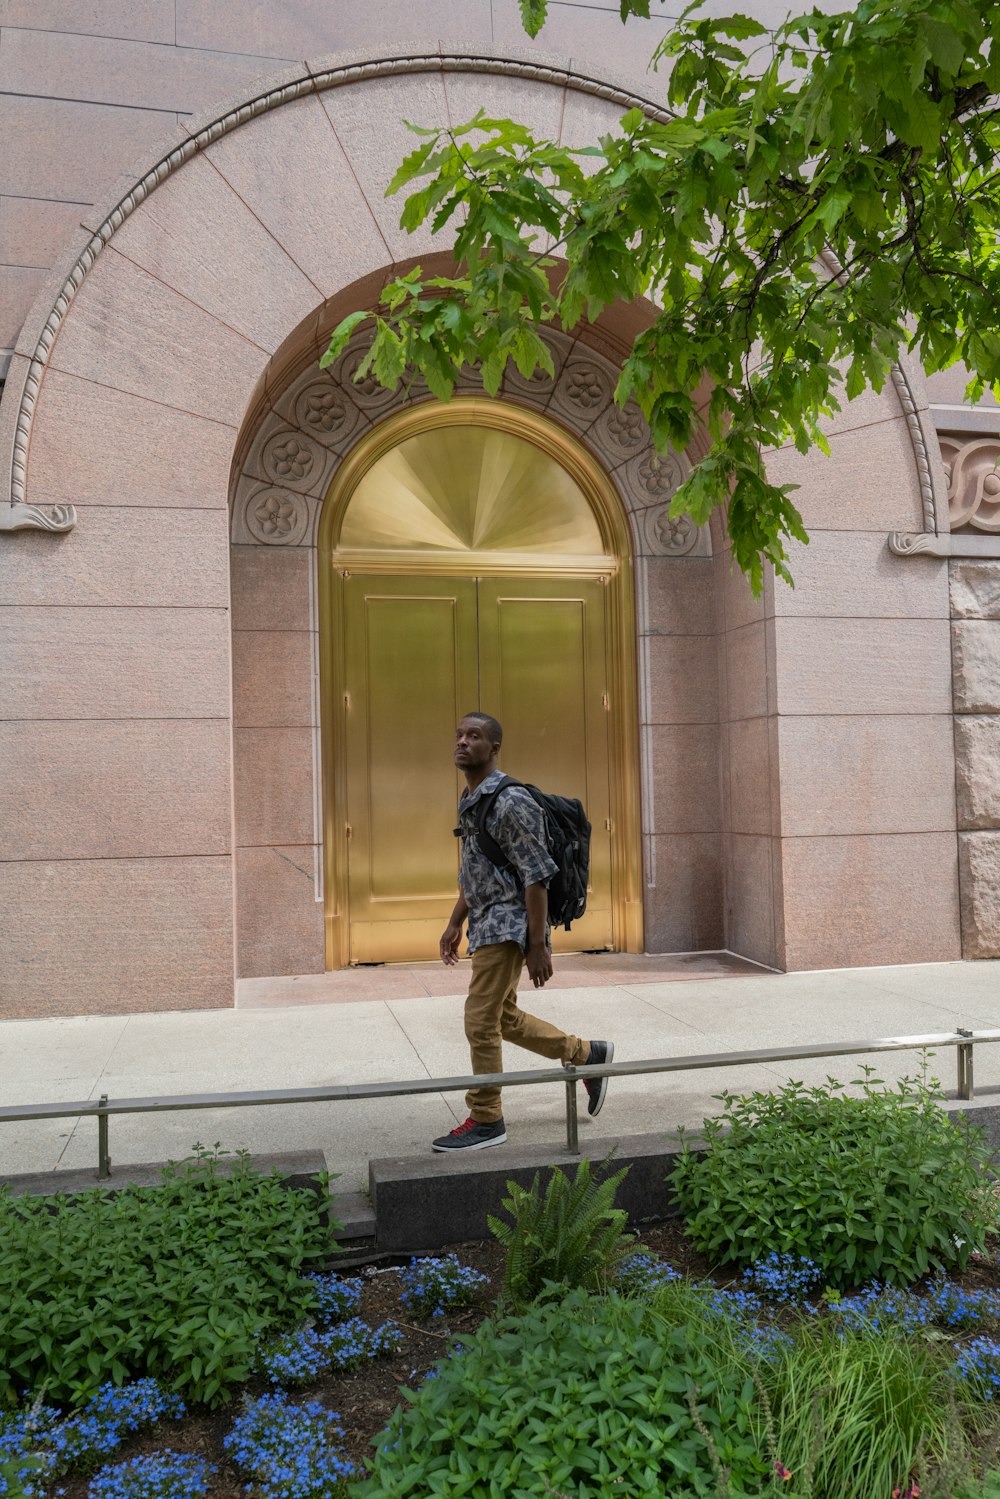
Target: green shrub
x,y
178,1281
581,1396
570,1235
885,1186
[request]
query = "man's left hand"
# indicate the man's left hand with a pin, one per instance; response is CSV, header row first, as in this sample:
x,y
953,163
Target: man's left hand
x,y
539,965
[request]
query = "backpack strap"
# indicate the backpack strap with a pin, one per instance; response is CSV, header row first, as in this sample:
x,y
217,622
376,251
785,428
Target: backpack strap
x,y
487,843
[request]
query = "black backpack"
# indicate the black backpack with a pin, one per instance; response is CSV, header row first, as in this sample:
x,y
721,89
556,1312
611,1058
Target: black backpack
x,y
567,834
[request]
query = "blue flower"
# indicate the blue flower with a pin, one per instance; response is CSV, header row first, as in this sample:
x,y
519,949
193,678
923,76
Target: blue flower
x,y
161,1475
433,1286
784,1277
289,1451
642,1274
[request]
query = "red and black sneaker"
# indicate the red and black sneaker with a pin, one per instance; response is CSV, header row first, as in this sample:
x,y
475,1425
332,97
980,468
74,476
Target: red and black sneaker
x,y
472,1135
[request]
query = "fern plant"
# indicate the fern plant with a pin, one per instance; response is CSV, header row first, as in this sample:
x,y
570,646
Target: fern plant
x,y
569,1235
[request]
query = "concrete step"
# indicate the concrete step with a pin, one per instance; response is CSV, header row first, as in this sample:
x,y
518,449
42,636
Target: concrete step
x,y
355,1216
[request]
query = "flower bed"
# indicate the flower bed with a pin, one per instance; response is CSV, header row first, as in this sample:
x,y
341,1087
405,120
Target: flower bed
x,y
301,1442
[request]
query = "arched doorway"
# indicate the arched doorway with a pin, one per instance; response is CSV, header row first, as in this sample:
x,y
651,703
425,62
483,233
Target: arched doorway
x,y
470,555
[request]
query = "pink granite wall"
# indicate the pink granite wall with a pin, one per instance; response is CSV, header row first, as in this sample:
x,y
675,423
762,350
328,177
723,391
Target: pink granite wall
x,y
680,736
858,678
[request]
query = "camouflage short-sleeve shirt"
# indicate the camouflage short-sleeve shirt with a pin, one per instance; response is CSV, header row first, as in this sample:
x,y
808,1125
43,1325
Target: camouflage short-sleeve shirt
x,y
495,897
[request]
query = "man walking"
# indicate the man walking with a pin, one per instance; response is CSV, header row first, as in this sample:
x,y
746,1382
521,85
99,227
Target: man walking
x,y
508,928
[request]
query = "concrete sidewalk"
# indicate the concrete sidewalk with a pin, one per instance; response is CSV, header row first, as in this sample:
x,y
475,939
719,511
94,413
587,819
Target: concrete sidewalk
x,y
406,1022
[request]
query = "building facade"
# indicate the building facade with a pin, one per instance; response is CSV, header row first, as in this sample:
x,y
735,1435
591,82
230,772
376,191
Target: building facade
x,y
243,600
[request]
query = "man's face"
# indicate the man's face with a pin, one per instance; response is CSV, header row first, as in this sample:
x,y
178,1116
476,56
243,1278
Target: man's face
x,y
473,748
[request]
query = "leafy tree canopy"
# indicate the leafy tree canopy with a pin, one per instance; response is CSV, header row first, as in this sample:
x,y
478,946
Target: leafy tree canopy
x,y
816,199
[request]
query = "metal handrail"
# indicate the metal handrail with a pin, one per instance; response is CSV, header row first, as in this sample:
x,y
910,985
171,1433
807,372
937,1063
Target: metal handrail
x,y
103,1107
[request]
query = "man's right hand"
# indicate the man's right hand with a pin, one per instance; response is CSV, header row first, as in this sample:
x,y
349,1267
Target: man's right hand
x,y
448,946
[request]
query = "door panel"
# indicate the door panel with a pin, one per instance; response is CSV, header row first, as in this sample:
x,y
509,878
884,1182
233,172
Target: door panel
x,y
542,671
410,673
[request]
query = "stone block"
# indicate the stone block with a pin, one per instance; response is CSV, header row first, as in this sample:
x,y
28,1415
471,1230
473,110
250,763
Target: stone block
x,y
749,895
289,168
272,679
33,231
115,936
310,27
852,666
866,774
977,770
539,106
143,20
676,596
735,603
19,286
121,790
863,901
749,776
270,588
274,786
114,663
975,654
370,124
868,483
279,920
683,905
113,70
427,1203
682,683
95,446
56,148
974,588
979,883
596,42
853,574
196,235
148,558
685,779
120,326
745,673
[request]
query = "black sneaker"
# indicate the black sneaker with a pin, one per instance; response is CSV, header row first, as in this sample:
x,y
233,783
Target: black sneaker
x,y
600,1052
472,1135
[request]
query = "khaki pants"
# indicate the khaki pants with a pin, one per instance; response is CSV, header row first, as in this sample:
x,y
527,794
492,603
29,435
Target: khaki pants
x,y
492,1015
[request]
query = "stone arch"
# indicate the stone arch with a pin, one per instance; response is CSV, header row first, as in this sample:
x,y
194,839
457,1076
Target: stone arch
x,y
305,425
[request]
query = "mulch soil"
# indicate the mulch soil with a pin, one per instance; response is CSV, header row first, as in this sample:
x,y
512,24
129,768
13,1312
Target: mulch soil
x,y
365,1400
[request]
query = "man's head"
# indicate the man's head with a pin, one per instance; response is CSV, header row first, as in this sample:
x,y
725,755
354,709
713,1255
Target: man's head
x,y
477,742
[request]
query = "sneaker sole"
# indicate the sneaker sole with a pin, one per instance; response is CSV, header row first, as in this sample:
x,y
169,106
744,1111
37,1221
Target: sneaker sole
x,y
593,1109
476,1145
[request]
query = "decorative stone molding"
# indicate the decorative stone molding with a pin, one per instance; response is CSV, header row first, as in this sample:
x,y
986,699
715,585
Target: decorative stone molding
x,y
337,76
918,441
973,470
19,517
926,543
278,493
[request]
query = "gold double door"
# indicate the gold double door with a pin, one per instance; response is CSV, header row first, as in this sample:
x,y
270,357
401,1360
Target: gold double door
x,y
419,652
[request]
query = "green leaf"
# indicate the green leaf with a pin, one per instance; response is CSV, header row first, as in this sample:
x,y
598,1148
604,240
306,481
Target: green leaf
x,y
533,15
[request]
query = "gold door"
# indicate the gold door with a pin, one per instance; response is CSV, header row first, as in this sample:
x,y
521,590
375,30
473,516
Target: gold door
x,y
471,557
421,652
543,674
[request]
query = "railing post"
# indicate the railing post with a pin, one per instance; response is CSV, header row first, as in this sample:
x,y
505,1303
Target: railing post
x,y
572,1131
103,1151
964,1065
